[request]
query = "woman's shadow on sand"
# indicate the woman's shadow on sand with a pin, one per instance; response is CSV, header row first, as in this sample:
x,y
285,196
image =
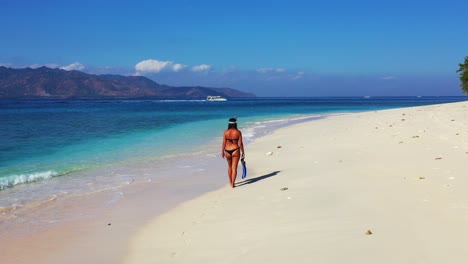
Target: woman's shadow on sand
x,y
256,179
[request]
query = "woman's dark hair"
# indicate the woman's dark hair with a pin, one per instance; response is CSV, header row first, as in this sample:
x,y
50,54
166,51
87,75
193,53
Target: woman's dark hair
x,y
232,123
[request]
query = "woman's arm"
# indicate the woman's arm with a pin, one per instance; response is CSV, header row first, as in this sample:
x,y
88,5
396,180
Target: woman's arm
x,y
241,145
223,146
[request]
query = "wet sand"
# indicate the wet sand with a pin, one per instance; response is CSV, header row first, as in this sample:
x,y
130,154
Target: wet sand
x,y
92,227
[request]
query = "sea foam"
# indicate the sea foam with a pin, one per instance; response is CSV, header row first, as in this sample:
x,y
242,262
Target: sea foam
x,y
12,180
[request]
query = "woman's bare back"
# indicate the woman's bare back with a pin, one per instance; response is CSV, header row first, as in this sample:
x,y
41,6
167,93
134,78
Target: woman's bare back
x,y
232,138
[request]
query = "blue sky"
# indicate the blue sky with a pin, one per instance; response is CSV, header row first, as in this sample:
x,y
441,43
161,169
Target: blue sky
x,y
270,48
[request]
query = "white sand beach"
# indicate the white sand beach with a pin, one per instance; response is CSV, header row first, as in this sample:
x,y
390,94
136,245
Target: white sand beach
x,y
376,187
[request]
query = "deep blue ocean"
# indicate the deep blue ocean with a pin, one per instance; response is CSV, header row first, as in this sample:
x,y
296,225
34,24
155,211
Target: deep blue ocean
x,y
42,141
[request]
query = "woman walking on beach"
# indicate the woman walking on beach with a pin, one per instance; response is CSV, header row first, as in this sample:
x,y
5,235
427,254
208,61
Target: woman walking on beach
x,y
233,149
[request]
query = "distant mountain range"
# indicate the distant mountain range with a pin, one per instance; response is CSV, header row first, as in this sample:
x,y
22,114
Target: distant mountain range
x,y
45,82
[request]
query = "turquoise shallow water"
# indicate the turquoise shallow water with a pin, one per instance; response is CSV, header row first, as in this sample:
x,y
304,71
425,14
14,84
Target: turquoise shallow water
x,y
41,139
63,145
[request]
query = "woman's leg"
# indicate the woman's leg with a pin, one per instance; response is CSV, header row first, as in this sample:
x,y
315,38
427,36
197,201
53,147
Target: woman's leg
x,y
234,163
229,161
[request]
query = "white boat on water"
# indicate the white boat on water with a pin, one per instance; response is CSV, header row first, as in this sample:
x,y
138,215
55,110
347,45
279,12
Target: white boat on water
x,y
215,98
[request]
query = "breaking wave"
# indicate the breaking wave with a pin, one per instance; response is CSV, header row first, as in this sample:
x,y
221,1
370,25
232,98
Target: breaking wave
x,y
12,180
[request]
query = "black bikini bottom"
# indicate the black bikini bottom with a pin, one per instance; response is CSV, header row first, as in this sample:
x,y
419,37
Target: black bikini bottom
x,y
230,151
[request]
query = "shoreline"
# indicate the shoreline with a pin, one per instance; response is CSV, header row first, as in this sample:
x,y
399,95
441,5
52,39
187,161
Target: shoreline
x,y
119,175
374,187
70,222
260,127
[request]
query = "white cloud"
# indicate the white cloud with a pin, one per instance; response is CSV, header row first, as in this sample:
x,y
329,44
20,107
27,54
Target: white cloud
x,y
74,67
267,70
156,66
387,78
178,67
152,65
201,67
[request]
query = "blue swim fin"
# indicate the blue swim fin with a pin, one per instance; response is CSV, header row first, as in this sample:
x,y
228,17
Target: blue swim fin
x,y
244,169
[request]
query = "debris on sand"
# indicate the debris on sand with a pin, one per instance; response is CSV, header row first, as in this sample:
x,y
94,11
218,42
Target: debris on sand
x,y
369,232
284,189
438,158
269,153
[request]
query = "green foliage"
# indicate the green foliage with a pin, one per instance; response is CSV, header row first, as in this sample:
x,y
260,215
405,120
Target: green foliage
x,y
464,75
